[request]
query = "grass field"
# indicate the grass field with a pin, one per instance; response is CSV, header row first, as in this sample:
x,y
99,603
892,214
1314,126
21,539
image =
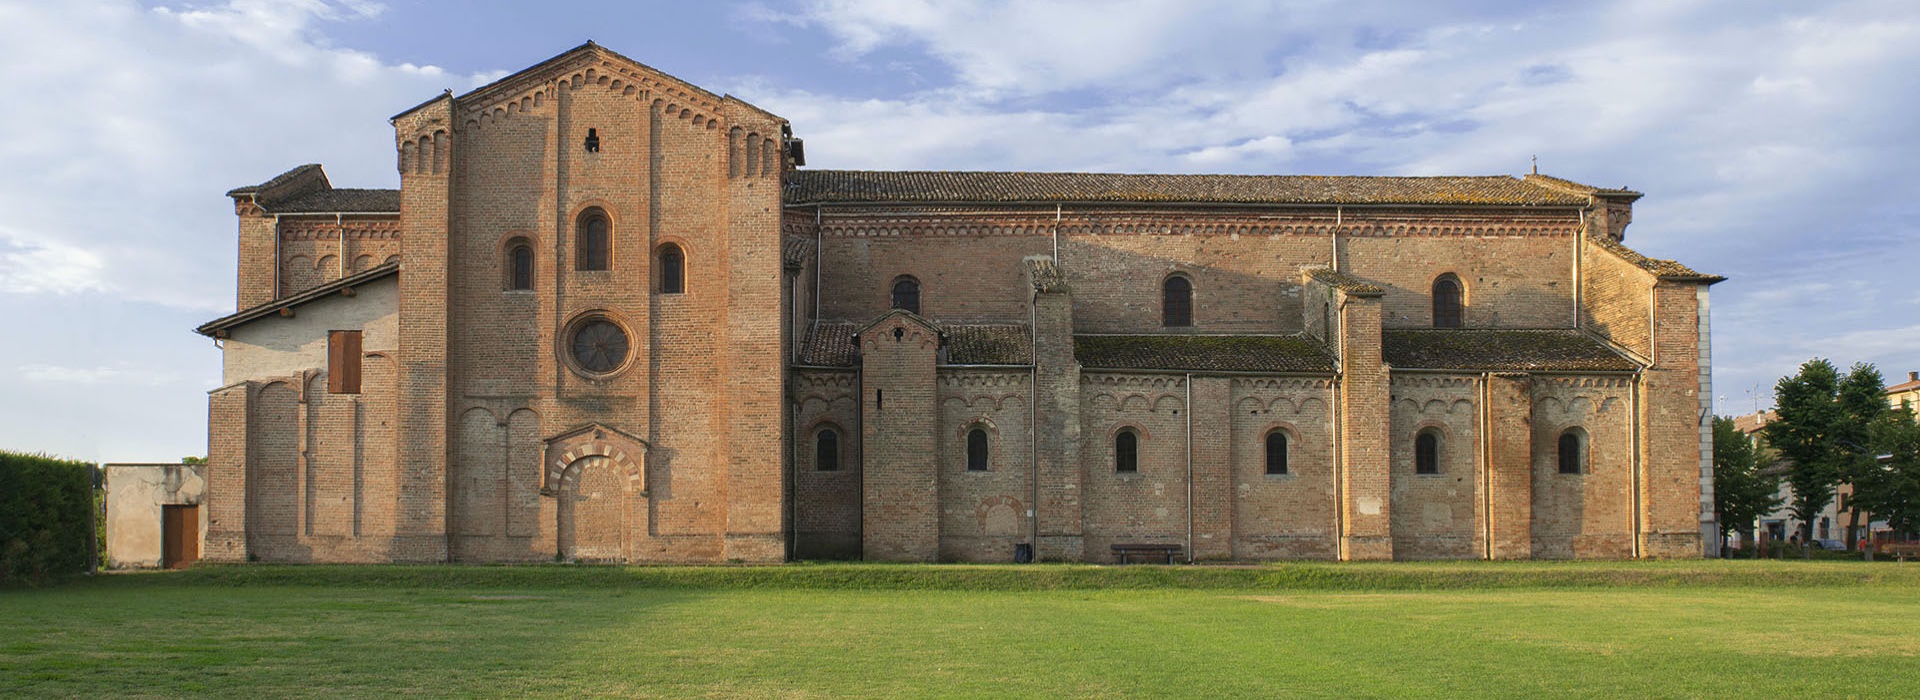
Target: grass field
x,y
1635,629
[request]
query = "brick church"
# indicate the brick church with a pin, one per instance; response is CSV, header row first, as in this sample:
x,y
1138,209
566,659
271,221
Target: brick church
x,y
610,316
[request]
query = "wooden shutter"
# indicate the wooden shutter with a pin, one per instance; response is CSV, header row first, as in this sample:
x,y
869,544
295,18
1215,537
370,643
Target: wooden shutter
x,y
343,362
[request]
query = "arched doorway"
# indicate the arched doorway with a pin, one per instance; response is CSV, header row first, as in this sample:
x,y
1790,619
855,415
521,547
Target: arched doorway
x,y
593,506
597,477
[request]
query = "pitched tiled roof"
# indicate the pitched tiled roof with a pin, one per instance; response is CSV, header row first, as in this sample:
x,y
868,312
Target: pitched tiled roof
x,y
1664,269
1345,282
1217,353
272,307
277,180
1571,186
808,186
1500,350
340,200
1008,344
829,345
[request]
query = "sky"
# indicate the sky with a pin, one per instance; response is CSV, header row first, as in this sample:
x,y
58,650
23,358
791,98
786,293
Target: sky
x,y
1774,140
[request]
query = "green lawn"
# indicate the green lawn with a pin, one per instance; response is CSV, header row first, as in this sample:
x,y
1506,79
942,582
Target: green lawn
x,y
1639,629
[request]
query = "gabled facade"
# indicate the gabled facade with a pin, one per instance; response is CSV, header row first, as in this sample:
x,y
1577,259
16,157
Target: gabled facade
x,y
609,316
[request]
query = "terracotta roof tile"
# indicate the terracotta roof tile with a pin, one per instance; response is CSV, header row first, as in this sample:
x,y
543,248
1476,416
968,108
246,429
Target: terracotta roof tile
x,y
808,186
1500,350
830,345
1345,282
340,200
1217,353
1008,344
276,181
1664,269
295,300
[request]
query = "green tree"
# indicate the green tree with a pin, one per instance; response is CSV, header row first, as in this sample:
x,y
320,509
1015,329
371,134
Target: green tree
x,y
1741,494
1862,404
193,460
1889,488
1821,431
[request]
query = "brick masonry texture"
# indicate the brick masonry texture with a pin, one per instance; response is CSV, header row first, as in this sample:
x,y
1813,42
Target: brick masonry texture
x,y
477,436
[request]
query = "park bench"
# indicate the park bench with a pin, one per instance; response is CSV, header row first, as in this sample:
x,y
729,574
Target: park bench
x,y
1902,550
1146,553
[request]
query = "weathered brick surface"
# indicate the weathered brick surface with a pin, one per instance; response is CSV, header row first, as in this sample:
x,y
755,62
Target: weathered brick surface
x,y
983,514
1509,408
1586,515
899,491
1288,516
467,441
1365,450
826,504
1434,515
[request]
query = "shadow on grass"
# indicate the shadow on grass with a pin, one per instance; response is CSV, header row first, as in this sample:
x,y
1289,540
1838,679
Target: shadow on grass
x,y
1048,577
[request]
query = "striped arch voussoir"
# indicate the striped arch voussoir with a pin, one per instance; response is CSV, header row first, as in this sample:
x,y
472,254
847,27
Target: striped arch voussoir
x,y
594,446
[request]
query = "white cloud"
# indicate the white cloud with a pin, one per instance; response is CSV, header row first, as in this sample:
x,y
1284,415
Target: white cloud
x,y
119,373
1773,138
127,124
38,267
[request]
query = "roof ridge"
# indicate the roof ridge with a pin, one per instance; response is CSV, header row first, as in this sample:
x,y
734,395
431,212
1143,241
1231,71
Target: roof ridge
x,y
1014,186
276,180
292,300
1121,174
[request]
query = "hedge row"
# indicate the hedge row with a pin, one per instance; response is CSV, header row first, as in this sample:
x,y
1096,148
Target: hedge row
x,y
45,524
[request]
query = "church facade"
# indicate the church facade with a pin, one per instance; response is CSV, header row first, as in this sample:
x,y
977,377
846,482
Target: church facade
x,y
610,316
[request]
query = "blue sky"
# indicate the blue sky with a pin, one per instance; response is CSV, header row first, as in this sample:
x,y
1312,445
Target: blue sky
x,y
1774,140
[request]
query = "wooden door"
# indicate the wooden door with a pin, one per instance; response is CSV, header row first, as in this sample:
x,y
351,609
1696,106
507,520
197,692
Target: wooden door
x,y
179,536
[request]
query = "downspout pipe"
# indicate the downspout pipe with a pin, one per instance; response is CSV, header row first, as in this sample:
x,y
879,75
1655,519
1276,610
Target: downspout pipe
x,y
1189,406
1033,423
1634,395
1486,460
1056,234
1339,216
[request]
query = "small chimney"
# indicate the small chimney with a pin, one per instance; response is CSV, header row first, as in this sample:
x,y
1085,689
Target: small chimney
x,y
1913,376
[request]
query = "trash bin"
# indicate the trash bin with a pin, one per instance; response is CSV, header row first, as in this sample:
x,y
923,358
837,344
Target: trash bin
x,y
1023,553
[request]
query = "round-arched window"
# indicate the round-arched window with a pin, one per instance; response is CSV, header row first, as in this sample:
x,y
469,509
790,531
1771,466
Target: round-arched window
x,y
599,346
977,450
1572,459
1176,302
906,294
1447,302
1426,452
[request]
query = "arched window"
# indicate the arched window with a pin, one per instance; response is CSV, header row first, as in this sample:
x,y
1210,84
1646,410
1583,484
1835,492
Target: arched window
x,y
1446,302
976,450
1276,452
906,294
1126,452
1176,303
1426,452
673,269
520,267
826,450
1571,461
593,241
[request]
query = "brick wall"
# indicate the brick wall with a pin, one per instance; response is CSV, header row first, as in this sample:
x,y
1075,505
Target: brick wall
x,y
1148,506
826,504
1435,515
226,473
1510,411
1288,516
1587,515
983,514
899,492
